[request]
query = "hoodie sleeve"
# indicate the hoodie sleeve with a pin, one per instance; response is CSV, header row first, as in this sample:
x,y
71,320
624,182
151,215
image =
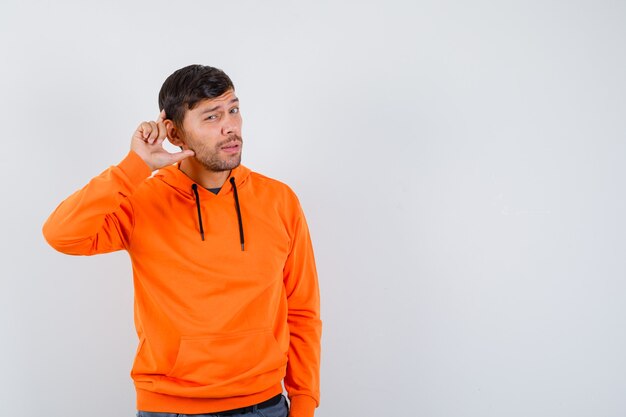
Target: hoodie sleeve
x,y
99,217
300,276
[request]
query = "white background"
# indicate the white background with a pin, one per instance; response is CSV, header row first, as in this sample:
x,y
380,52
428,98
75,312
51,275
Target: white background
x,y
461,165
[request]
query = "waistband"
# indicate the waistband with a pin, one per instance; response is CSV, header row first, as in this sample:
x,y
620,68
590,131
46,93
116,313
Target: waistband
x,y
155,402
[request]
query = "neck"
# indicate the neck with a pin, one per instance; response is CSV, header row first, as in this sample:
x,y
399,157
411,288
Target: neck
x,y
204,177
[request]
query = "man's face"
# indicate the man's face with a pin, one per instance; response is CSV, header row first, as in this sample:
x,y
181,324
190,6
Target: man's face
x,y
213,131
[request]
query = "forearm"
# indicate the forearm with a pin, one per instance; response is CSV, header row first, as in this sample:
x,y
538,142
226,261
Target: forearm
x,y
303,370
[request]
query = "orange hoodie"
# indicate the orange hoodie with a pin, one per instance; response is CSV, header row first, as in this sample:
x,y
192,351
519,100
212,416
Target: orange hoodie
x,y
220,322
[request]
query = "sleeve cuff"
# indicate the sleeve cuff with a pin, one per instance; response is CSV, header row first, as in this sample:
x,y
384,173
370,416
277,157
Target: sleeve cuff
x,y
135,168
302,406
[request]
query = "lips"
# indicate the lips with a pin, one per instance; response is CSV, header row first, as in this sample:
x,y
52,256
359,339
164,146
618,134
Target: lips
x,y
231,147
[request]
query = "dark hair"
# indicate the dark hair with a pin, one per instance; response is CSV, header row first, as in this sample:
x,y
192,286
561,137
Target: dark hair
x,y
187,86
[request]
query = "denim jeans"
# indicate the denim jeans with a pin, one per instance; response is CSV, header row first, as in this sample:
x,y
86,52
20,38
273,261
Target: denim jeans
x,y
279,410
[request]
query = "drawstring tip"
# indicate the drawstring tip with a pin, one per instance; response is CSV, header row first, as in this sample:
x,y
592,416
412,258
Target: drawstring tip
x,y
242,247
202,234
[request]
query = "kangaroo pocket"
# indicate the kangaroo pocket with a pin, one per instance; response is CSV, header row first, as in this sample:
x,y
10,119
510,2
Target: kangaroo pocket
x,y
225,365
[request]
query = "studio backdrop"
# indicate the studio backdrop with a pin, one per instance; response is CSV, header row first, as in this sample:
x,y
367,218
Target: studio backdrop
x,y
460,164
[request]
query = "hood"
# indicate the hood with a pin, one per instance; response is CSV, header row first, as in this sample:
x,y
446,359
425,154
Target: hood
x,y
174,177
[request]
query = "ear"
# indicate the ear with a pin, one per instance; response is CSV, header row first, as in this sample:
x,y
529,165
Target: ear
x,y
173,133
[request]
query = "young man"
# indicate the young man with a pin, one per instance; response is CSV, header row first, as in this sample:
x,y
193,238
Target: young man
x,y
226,291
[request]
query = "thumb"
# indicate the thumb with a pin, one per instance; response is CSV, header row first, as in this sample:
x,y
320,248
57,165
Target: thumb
x,y
179,156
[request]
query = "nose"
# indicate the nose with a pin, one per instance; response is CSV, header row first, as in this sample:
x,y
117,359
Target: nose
x,y
230,126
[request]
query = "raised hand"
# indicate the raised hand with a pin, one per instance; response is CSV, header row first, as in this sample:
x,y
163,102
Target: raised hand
x,y
147,142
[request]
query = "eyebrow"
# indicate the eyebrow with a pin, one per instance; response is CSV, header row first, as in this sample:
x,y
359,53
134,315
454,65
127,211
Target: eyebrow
x,y
235,100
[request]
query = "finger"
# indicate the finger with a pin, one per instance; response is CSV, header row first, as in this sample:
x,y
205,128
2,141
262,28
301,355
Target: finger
x,y
161,116
179,156
145,129
162,132
154,132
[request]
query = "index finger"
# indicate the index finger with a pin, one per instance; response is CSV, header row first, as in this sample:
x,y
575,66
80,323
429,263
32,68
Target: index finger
x,y
161,116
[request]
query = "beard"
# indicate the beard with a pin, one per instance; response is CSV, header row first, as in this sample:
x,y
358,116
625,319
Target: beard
x,y
210,157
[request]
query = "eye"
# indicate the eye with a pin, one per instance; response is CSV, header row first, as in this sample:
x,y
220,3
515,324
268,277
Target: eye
x,y
234,110
211,117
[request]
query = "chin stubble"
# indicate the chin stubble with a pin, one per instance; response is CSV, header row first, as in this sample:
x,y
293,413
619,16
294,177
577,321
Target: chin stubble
x,y
215,164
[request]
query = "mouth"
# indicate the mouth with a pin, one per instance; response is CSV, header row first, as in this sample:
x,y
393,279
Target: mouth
x,y
231,147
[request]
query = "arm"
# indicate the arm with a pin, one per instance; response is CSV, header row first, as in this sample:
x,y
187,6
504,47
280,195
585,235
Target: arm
x,y
305,326
99,218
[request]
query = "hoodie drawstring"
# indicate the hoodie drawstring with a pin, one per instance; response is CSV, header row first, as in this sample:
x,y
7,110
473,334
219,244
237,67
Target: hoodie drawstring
x,y
232,181
194,187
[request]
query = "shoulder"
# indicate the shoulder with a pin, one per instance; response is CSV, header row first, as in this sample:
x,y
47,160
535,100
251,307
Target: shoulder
x,y
272,185
276,194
